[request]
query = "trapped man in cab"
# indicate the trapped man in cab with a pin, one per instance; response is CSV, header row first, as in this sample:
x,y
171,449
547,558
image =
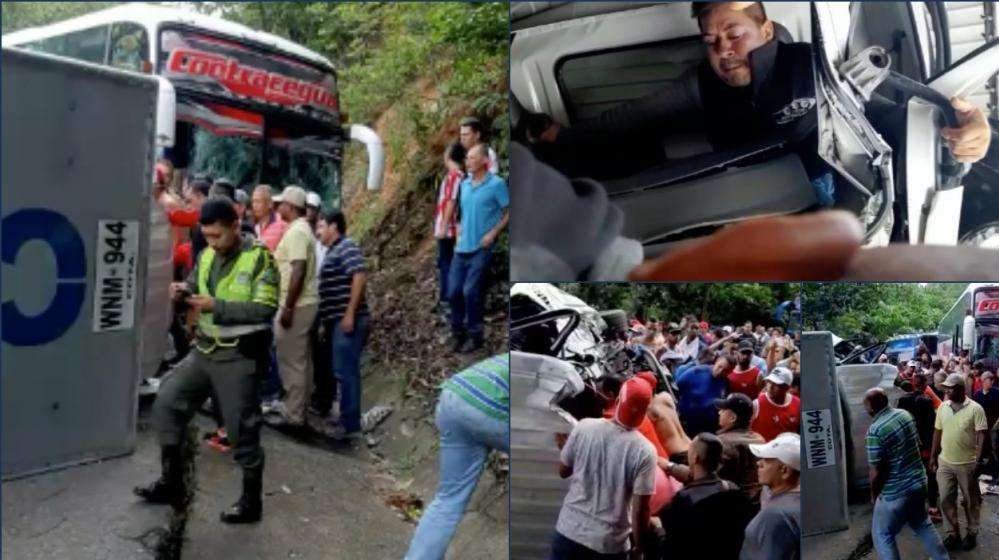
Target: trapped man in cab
x,y
753,86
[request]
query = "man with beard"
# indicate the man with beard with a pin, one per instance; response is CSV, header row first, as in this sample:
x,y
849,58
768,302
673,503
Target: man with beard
x,y
750,88
776,410
745,378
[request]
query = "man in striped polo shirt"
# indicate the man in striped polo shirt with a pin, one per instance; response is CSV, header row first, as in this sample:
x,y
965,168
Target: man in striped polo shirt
x,y
898,479
344,312
473,417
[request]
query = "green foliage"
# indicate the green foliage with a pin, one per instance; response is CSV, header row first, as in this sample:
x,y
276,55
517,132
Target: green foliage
x,y
877,311
718,304
20,15
429,62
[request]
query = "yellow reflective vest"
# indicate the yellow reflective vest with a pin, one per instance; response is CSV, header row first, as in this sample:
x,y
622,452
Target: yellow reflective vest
x,y
239,285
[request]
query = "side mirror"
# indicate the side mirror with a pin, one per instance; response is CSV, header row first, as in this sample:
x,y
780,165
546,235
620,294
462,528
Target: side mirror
x,y
376,153
166,114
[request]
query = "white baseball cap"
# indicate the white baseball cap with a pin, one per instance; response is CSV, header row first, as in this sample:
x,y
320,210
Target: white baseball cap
x,y
780,375
312,199
786,448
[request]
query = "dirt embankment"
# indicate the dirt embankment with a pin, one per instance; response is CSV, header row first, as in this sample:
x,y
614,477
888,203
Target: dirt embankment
x,y
408,354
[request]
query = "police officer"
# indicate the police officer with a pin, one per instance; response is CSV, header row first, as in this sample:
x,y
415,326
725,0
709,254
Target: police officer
x,y
234,285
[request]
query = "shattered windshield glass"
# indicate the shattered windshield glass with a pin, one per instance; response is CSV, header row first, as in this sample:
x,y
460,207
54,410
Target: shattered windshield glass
x,y
307,162
224,142
236,158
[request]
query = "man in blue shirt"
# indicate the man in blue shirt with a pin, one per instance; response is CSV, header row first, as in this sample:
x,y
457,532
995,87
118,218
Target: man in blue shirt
x,y
699,386
483,201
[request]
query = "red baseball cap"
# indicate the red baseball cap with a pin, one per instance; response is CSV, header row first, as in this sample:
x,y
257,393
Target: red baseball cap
x,y
632,402
649,378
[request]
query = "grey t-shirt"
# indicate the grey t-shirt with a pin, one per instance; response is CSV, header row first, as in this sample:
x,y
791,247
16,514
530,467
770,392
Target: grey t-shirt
x,y
610,465
775,532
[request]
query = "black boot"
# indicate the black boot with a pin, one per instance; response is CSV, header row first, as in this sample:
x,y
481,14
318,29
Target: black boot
x,y
472,345
458,342
169,488
249,507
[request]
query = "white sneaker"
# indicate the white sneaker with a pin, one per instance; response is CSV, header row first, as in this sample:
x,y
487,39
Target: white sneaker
x,y
274,407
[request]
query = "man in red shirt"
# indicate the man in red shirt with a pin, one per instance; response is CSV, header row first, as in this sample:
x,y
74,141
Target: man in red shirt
x,y
446,217
777,410
745,378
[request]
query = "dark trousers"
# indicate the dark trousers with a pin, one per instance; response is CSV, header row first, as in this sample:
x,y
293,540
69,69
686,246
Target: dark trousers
x,y
465,284
322,362
179,335
271,388
932,489
237,385
568,549
445,253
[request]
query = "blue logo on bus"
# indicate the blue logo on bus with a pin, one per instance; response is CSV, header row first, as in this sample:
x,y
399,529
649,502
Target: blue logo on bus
x,y
62,237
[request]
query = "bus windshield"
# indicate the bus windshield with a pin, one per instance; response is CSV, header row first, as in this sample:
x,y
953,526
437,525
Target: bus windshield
x,y
307,162
987,347
223,142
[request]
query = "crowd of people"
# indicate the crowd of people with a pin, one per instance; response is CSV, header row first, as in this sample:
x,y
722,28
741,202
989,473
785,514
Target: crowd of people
x,y
471,212
312,366
271,315
707,465
929,452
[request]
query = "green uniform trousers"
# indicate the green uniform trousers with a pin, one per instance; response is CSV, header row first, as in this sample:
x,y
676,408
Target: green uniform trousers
x,y
237,384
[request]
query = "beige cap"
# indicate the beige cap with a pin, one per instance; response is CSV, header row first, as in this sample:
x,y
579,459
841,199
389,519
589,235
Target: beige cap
x,y
292,195
953,380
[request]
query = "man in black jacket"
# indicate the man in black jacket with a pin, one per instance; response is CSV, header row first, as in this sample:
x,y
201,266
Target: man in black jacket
x,y
707,517
924,412
755,86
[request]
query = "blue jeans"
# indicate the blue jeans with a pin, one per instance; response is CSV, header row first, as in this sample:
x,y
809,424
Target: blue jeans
x,y
467,435
445,253
271,387
465,285
347,348
907,509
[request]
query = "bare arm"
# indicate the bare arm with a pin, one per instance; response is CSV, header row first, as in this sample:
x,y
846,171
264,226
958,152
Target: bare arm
x,y
721,341
878,475
772,357
356,291
679,472
448,212
296,283
935,449
640,524
490,237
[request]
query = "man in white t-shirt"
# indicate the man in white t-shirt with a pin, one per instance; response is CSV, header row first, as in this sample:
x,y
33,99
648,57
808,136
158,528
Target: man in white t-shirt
x,y
690,346
470,131
609,463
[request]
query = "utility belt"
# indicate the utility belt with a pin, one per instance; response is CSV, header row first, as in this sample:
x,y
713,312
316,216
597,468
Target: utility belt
x,y
252,341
